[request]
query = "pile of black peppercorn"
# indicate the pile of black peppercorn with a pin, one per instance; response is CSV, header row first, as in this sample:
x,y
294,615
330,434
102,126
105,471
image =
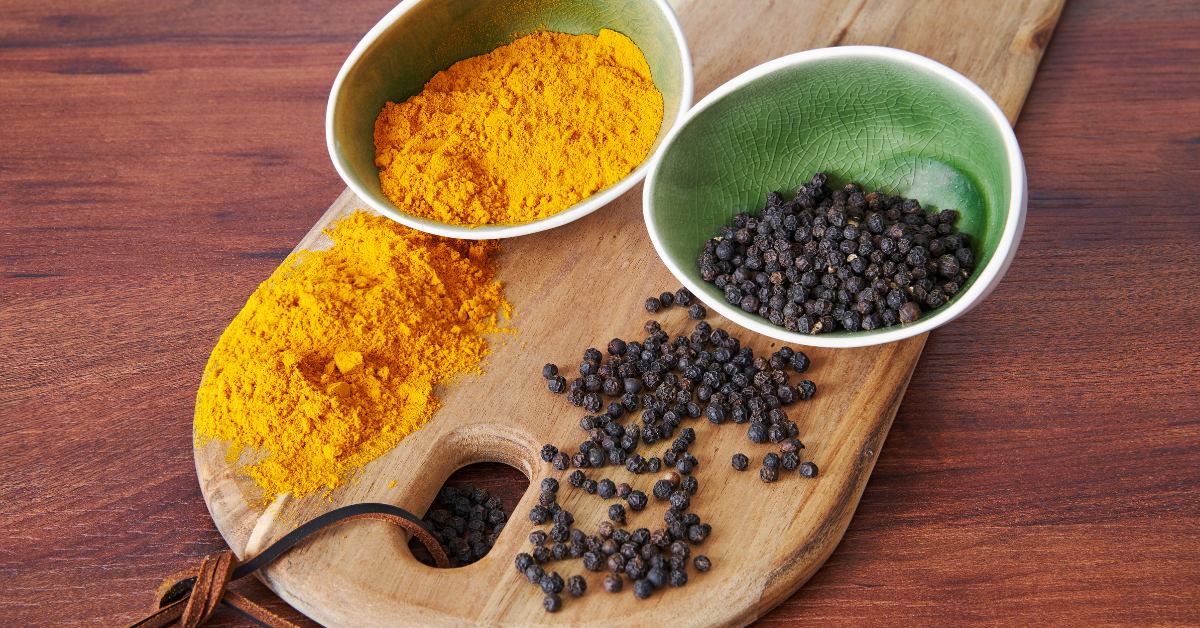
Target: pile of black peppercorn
x,y
468,524
706,374
651,560
838,260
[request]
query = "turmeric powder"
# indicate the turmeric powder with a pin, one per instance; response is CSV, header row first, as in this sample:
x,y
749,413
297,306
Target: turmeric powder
x,y
334,358
520,133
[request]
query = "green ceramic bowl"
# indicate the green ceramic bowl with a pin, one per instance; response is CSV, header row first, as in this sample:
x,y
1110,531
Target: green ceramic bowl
x,y
881,117
420,38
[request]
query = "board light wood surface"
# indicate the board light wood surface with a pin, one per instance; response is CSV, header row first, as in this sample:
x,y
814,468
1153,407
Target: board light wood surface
x,y
1038,472
578,286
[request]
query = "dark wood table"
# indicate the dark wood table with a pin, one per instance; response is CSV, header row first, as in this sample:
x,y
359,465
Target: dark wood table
x,y
159,159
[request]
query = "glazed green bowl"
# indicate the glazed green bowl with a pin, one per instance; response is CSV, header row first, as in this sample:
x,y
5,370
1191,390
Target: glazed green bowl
x,y
884,118
420,38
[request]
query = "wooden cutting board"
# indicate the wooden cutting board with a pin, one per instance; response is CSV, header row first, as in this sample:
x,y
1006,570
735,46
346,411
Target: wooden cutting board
x,y
580,285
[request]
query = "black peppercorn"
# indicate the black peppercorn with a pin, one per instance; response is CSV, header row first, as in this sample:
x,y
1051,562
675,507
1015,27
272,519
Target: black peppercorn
x,y
537,537
771,460
613,583
689,485
636,500
548,452
740,461
653,305
550,371
606,488
576,586
666,299
552,603
697,311
557,385
657,577
561,461
590,486
683,297
524,561
616,512
685,465
538,514
807,469
702,563
642,589
534,574
551,583
680,500
768,474
677,577
593,561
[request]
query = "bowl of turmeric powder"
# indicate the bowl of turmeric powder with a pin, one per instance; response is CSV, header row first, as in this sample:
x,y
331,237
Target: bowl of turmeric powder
x,y
499,118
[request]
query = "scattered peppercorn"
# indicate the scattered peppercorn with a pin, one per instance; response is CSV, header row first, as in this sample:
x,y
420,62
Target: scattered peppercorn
x,y
534,574
550,371
697,311
653,305
537,537
576,586
548,452
613,583
606,489
636,500
807,469
769,474
642,589
666,299
551,583
538,514
616,512
702,563
552,603
690,485
576,478
678,577
683,297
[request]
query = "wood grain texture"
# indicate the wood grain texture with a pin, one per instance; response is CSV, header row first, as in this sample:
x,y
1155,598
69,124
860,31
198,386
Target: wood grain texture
x,y
576,287
1040,470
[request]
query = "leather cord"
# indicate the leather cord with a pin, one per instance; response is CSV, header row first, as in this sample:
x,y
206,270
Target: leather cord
x,y
188,598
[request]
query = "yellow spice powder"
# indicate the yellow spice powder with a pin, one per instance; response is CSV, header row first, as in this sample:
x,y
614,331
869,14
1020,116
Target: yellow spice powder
x,y
520,133
334,358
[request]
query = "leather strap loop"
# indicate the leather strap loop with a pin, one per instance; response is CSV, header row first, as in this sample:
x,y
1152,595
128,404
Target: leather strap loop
x,y
188,598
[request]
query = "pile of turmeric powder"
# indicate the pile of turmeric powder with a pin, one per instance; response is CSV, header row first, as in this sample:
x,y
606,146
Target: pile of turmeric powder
x,y
334,358
520,133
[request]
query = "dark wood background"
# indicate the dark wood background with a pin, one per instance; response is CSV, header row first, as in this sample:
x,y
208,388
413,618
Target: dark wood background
x,y
159,158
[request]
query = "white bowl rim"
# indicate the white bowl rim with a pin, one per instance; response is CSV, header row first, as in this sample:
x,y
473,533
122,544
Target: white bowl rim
x,y
488,232
988,277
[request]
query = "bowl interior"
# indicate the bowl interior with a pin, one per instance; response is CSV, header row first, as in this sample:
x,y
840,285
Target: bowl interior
x,y
878,122
431,35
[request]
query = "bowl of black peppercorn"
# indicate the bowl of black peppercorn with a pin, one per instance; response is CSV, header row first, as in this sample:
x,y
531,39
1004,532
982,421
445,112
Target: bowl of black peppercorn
x,y
840,197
